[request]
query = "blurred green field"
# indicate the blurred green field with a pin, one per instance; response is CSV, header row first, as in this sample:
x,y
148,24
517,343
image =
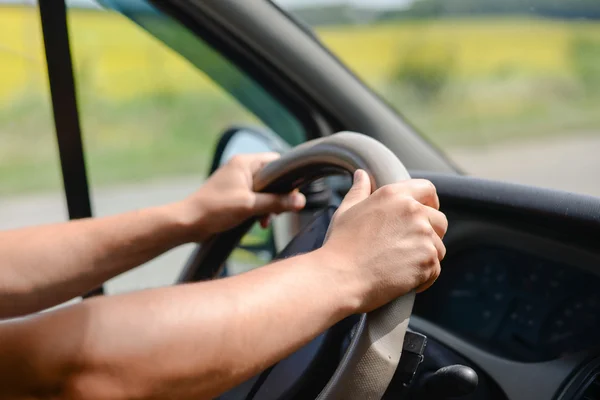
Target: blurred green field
x,y
147,113
140,139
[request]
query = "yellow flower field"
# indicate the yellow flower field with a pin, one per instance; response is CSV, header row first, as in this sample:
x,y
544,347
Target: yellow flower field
x,y
119,60
480,47
146,112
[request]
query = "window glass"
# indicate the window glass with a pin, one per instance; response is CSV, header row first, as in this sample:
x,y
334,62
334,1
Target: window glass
x,y
153,101
256,249
508,89
30,178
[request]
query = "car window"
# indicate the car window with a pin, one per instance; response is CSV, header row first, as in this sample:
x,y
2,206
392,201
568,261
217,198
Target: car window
x,y
153,101
31,189
508,89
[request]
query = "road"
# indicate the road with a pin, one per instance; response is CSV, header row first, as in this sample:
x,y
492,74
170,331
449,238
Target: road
x,y
48,208
564,163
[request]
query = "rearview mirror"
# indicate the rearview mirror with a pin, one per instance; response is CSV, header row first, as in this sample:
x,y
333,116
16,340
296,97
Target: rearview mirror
x,y
259,245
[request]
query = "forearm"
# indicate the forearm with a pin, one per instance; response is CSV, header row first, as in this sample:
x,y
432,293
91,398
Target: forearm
x,y
47,265
194,341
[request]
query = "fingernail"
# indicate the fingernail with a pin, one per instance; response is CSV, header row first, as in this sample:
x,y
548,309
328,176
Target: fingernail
x,y
264,223
358,175
297,200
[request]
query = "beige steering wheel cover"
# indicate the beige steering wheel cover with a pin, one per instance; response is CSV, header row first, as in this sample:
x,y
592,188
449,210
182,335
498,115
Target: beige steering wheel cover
x,y
366,374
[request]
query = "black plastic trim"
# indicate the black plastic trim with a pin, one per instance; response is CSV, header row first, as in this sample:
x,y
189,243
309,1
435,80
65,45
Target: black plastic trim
x,y
53,16
576,387
55,30
554,223
478,192
571,217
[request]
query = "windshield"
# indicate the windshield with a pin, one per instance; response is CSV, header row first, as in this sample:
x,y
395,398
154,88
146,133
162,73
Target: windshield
x,y
508,89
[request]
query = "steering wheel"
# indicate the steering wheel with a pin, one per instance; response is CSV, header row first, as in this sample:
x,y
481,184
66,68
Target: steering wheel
x,y
371,358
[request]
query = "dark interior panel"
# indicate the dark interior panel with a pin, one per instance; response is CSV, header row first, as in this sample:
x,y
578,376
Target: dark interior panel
x,y
515,305
565,217
519,292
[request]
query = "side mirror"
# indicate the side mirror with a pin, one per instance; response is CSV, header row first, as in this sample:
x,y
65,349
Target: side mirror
x,y
246,140
259,245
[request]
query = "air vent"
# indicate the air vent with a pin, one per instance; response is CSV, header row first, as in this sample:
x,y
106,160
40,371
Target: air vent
x,y
592,389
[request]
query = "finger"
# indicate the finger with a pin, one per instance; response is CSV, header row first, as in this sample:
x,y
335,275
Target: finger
x,y
265,221
425,192
440,247
259,160
438,221
268,203
421,190
434,276
255,161
437,268
360,190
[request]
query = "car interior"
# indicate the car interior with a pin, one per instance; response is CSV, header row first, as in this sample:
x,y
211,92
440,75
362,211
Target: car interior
x,y
515,314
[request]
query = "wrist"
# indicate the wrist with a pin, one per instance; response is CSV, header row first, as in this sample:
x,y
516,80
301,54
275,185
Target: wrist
x,y
340,275
187,220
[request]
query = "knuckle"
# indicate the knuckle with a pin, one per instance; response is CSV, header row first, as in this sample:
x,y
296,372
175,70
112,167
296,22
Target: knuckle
x,y
439,221
435,272
423,227
411,206
428,186
443,218
246,200
268,155
430,256
442,251
424,275
424,185
387,191
236,160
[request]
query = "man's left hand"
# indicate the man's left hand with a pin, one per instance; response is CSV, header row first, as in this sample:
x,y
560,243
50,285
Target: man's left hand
x,y
226,199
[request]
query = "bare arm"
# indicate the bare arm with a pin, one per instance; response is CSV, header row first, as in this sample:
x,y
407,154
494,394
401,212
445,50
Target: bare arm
x,y
195,341
188,342
47,265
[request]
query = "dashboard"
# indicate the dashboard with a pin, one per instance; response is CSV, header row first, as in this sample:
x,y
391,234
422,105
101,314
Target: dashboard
x,y
519,294
515,305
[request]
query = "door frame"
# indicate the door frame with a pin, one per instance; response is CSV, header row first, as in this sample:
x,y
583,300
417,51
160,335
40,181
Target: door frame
x,y
63,93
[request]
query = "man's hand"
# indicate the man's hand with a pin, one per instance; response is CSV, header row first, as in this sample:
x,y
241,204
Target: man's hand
x,y
387,243
381,246
227,198
72,258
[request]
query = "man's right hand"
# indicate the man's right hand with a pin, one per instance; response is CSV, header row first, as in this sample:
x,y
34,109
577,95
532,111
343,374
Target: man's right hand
x,y
387,243
381,246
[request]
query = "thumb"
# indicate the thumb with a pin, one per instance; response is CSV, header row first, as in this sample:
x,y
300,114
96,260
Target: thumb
x,y
360,190
268,203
